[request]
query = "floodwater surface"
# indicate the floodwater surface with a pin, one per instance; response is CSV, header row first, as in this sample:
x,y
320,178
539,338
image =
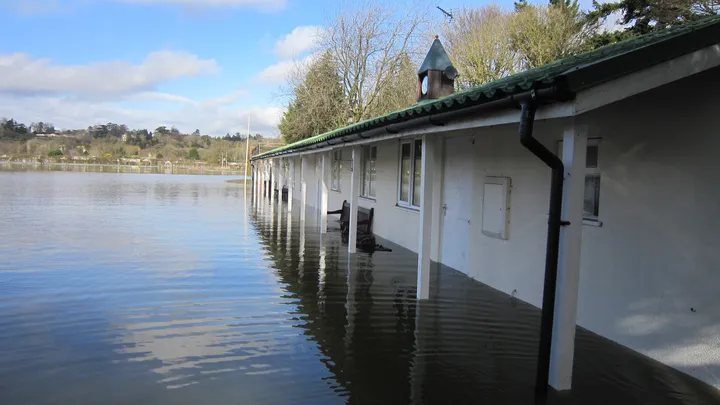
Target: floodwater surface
x,y
160,289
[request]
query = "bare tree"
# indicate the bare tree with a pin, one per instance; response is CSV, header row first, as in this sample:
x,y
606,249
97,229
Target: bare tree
x,y
489,43
399,91
544,33
479,42
369,42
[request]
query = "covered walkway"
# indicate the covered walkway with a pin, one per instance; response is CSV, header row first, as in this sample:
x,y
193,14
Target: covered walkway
x,y
467,343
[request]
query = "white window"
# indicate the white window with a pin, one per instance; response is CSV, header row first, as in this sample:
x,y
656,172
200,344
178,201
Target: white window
x,y
368,173
591,198
410,175
335,170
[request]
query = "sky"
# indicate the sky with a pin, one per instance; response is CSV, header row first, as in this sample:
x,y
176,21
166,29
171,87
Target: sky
x,y
194,64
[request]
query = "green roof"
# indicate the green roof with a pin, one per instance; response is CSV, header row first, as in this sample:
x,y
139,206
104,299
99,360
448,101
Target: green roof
x,y
572,75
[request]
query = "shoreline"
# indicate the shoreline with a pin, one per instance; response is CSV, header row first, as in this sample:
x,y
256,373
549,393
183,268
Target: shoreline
x,y
157,169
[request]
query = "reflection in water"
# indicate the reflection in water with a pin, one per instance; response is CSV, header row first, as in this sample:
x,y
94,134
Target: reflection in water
x,y
134,289
184,168
468,343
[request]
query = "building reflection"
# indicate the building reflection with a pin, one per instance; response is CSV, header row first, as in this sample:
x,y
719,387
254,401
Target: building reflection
x,y
467,344
363,322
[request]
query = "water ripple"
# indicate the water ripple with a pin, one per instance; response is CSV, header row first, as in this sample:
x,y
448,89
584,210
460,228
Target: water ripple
x,y
134,289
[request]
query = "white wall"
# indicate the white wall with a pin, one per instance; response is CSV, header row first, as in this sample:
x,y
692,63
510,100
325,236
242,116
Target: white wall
x,y
516,264
400,225
655,256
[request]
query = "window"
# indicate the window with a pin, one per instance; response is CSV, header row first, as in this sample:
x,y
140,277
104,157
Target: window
x,y
591,198
368,173
335,170
410,173
591,201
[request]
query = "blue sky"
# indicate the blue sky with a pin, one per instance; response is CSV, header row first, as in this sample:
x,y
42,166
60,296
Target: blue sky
x,y
207,64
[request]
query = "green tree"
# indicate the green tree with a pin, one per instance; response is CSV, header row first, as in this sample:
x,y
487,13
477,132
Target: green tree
x,y
318,104
54,153
399,90
193,154
643,16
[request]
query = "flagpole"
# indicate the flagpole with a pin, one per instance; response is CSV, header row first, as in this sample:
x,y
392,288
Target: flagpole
x,y
247,150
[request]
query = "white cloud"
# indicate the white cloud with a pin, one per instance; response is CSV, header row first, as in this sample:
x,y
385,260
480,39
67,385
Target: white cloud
x,y
76,96
277,73
158,97
268,5
21,73
69,112
290,49
225,100
47,6
282,71
298,41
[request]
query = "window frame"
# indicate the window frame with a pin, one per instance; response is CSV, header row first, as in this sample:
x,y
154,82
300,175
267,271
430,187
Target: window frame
x,y
410,204
593,172
336,170
366,154
590,172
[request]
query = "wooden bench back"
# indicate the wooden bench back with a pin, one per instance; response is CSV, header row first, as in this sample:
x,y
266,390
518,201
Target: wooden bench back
x,y
365,218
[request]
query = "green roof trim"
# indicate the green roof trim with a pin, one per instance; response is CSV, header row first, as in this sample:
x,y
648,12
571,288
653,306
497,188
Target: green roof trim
x,y
571,74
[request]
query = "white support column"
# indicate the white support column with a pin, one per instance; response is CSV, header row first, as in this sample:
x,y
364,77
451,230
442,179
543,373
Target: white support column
x,y
303,189
437,175
273,178
324,192
256,177
266,187
281,179
263,179
291,183
426,211
354,197
566,294
252,180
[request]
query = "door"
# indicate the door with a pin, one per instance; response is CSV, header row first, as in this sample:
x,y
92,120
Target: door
x,y
457,191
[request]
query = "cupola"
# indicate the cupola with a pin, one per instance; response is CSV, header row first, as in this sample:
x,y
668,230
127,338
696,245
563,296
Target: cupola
x,y
436,76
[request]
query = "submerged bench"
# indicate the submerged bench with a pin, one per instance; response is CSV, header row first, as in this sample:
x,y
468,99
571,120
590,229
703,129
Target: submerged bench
x,y
364,221
365,237
284,193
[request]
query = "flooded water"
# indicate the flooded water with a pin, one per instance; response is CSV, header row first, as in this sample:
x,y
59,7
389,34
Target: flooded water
x,y
159,289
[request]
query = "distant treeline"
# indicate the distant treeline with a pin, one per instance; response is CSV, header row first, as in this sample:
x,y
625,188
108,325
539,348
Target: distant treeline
x,y
111,141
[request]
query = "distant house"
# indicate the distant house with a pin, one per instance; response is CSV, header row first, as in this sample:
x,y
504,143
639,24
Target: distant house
x,y
623,141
